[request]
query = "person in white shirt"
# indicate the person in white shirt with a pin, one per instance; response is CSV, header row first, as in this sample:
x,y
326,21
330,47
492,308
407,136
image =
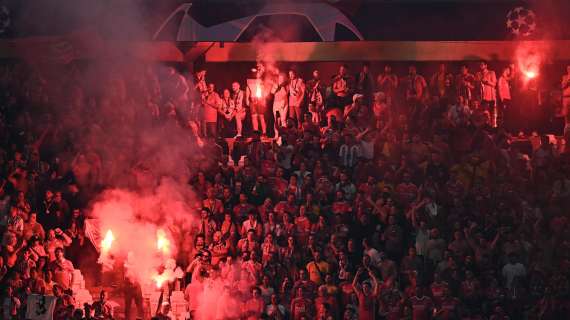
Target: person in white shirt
x,y
504,90
227,112
280,102
366,141
349,152
10,304
374,254
512,270
14,223
459,113
566,99
238,98
488,80
274,309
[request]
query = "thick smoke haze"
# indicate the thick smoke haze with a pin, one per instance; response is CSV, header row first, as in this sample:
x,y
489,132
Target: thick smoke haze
x,y
133,150
130,145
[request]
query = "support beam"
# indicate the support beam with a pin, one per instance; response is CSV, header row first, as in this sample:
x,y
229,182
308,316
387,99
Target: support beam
x,y
387,51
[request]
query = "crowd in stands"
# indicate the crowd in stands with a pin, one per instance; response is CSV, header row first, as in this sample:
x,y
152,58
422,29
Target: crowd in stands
x,y
380,198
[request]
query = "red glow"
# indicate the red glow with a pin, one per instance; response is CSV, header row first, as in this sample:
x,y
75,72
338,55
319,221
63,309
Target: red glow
x,y
125,216
530,74
529,60
162,242
107,242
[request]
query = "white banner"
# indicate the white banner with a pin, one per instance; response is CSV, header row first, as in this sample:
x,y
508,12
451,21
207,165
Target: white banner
x,y
40,307
93,233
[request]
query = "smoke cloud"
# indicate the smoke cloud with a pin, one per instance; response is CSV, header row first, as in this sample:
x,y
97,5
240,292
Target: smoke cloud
x,y
122,128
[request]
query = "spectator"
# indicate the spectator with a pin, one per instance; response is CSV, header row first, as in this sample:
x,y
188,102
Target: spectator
x,y
488,81
296,89
464,203
103,309
62,269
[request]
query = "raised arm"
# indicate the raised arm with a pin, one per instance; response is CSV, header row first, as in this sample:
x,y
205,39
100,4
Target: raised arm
x,y
375,286
355,284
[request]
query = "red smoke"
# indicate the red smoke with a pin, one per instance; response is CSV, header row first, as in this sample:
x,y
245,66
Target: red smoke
x,y
145,230
530,56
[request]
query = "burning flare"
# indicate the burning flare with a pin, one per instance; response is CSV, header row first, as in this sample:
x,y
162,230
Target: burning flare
x,y
169,273
530,74
162,242
107,242
160,279
530,59
258,91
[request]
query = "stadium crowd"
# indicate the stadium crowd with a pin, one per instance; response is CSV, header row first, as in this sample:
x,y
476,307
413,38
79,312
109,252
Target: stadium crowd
x,y
379,198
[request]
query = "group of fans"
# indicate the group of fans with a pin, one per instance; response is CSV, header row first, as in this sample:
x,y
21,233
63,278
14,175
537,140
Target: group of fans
x,y
512,98
375,202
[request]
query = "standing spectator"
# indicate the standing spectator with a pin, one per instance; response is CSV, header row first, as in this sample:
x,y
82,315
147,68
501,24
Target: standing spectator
x,y
132,293
421,305
488,80
365,84
62,269
33,228
415,90
341,94
367,295
318,268
296,89
441,82
274,309
213,204
512,270
504,92
301,307
212,103
459,113
103,309
387,82
240,113
349,151
201,90
255,306
206,225
10,305
449,308
256,98
316,94
15,223
280,102
464,84
380,109
228,112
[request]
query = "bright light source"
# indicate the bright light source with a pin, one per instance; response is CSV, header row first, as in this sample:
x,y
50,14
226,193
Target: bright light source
x,y
530,74
107,241
162,242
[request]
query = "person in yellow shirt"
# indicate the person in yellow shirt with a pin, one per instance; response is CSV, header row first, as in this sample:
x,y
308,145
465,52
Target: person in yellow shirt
x,y
317,268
